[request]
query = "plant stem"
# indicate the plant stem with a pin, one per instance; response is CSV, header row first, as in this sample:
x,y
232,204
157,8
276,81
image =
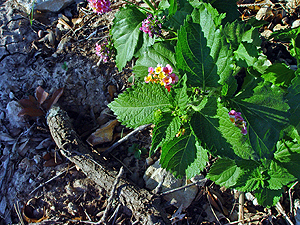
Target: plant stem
x,y
150,5
142,8
241,206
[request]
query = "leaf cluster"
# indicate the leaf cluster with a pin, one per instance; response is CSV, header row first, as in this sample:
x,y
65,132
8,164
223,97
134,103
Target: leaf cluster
x,y
209,50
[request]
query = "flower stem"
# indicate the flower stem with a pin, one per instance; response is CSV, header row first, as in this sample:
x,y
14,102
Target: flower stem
x,y
142,8
150,5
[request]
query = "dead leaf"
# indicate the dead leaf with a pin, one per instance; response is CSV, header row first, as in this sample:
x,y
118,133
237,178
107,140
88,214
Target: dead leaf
x,y
41,95
55,97
31,112
27,103
216,203
103,134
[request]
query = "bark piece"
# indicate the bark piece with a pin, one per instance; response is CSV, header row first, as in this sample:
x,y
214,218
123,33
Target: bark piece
x,y
138,200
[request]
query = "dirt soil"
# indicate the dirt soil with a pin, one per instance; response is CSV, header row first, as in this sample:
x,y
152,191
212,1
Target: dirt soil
x,y
39,185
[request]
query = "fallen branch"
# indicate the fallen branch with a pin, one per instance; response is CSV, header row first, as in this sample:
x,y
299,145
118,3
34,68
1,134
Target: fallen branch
x,y
139,201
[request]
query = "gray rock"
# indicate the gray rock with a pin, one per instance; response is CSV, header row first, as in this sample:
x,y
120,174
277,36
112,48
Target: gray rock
x,y
155,175
44,5
12,110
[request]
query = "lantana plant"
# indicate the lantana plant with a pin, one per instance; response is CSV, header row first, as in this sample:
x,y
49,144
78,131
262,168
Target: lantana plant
x,y
252,126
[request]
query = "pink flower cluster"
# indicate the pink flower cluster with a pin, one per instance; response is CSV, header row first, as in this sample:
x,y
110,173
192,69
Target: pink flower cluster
x,y
103,50
100,6
237,119
162,75
151,26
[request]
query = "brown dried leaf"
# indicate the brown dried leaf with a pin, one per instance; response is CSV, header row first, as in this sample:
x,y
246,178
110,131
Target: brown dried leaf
x,y
55,97
28,103
41,95
214,201
31,112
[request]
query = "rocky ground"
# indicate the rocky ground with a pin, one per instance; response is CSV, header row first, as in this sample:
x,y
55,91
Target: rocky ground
x,y
37,183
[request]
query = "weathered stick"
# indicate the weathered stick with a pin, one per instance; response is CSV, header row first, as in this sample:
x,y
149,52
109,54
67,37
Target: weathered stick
x,y
136,199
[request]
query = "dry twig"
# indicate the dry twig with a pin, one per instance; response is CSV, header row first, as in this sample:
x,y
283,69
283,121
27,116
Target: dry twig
x,y
53,178
125,138
112,195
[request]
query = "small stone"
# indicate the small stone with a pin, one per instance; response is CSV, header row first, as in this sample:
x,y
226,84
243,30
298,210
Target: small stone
x,y
2,115
264,13
11,95
104,116
279,27
40,33
296,23
13,108
103,134
155,175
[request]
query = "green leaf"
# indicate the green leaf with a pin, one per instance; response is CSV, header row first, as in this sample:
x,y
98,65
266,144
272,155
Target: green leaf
x,y
279,176
170,5
226,6
288,155
180,96
199,163
177,20
238,32
225,172
279,74
178,154
164,131
126,34
293,98
266,115
267,197
246,54
286,34
159,53
202,51
136,106
217,17
213,128
252,180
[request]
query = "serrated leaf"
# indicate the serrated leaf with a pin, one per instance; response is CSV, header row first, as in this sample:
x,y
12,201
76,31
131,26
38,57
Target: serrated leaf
x,y
159,53
225,172
199,162
213,128
252,180
136,106
246,54
267,197
177,20
293,98
266,115
202,51
165,130
288,155
217,17
178,154
279,176
238,32
279,74
180,95
126,34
